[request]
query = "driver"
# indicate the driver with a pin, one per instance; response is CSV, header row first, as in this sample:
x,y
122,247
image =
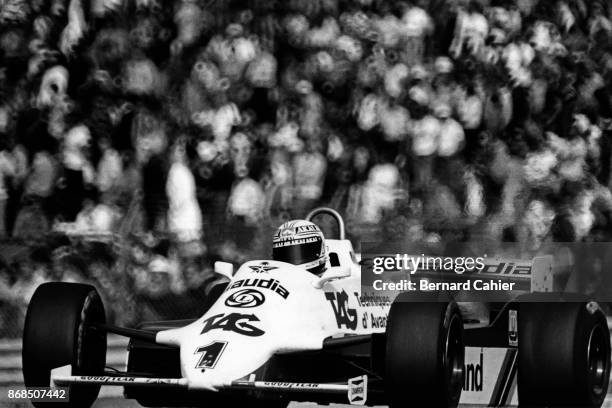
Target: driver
x,y
301,243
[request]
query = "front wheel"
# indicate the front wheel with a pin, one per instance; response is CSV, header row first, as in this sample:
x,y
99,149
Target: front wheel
x,y
424,353
57,332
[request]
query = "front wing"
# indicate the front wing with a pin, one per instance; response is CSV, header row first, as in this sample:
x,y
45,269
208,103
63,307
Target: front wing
x,y
355,388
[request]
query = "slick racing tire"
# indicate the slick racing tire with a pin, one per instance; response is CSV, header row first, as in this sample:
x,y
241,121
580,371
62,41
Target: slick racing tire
x,y
564,352
424,352
58,332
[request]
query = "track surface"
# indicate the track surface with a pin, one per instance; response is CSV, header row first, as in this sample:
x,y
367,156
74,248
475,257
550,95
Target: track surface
x,y
121,403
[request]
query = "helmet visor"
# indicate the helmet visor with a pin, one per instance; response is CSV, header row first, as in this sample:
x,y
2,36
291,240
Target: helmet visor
x,y
298,254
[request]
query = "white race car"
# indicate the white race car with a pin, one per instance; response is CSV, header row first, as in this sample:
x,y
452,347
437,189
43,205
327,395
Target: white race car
x,y
277,333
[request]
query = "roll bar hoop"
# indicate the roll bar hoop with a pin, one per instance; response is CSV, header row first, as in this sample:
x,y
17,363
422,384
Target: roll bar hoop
x,y
333,213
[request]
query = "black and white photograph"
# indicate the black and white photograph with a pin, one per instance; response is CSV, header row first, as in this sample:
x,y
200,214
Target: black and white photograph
x,y
298,203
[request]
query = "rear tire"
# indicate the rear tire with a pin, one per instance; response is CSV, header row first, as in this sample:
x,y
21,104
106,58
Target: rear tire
x,y
564,353
424,354
57,333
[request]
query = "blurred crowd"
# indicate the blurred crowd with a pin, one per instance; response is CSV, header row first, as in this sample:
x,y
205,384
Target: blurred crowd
x,y
212,121
137,280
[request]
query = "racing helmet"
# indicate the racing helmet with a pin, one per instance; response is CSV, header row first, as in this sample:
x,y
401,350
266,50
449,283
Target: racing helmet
x,y
300,243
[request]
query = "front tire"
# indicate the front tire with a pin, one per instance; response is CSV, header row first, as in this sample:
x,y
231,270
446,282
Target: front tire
x,y
564,353
57,332
424,354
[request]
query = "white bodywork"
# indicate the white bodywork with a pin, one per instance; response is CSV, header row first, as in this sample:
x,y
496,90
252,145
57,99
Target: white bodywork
x,y
248,335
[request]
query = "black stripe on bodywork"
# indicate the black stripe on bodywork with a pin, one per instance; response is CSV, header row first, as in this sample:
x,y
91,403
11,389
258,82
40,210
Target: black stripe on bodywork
x,y
503,385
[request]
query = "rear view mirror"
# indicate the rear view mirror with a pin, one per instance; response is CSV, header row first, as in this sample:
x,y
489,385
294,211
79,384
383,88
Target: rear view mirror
x,y
335,272
224,268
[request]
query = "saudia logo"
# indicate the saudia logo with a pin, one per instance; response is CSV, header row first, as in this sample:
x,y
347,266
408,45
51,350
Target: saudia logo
x,y
474,376
504,268
271,284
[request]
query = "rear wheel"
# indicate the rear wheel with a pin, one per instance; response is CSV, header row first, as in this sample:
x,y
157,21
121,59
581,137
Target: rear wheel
x,y
564,353
57,332
424,352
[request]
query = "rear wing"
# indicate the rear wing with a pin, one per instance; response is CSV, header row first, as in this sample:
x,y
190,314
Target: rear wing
x,y
534,275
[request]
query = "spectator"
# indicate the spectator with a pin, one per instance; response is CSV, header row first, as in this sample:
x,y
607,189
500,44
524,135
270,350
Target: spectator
x,y
184,215
425,135
109,171
7,171
77,173
450,145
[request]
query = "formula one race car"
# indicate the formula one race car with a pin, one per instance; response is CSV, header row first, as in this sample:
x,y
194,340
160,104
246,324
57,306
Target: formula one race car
x,y
278,333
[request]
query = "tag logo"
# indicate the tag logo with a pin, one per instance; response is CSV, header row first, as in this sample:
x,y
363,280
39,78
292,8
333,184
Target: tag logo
x,y
236,322
345,316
